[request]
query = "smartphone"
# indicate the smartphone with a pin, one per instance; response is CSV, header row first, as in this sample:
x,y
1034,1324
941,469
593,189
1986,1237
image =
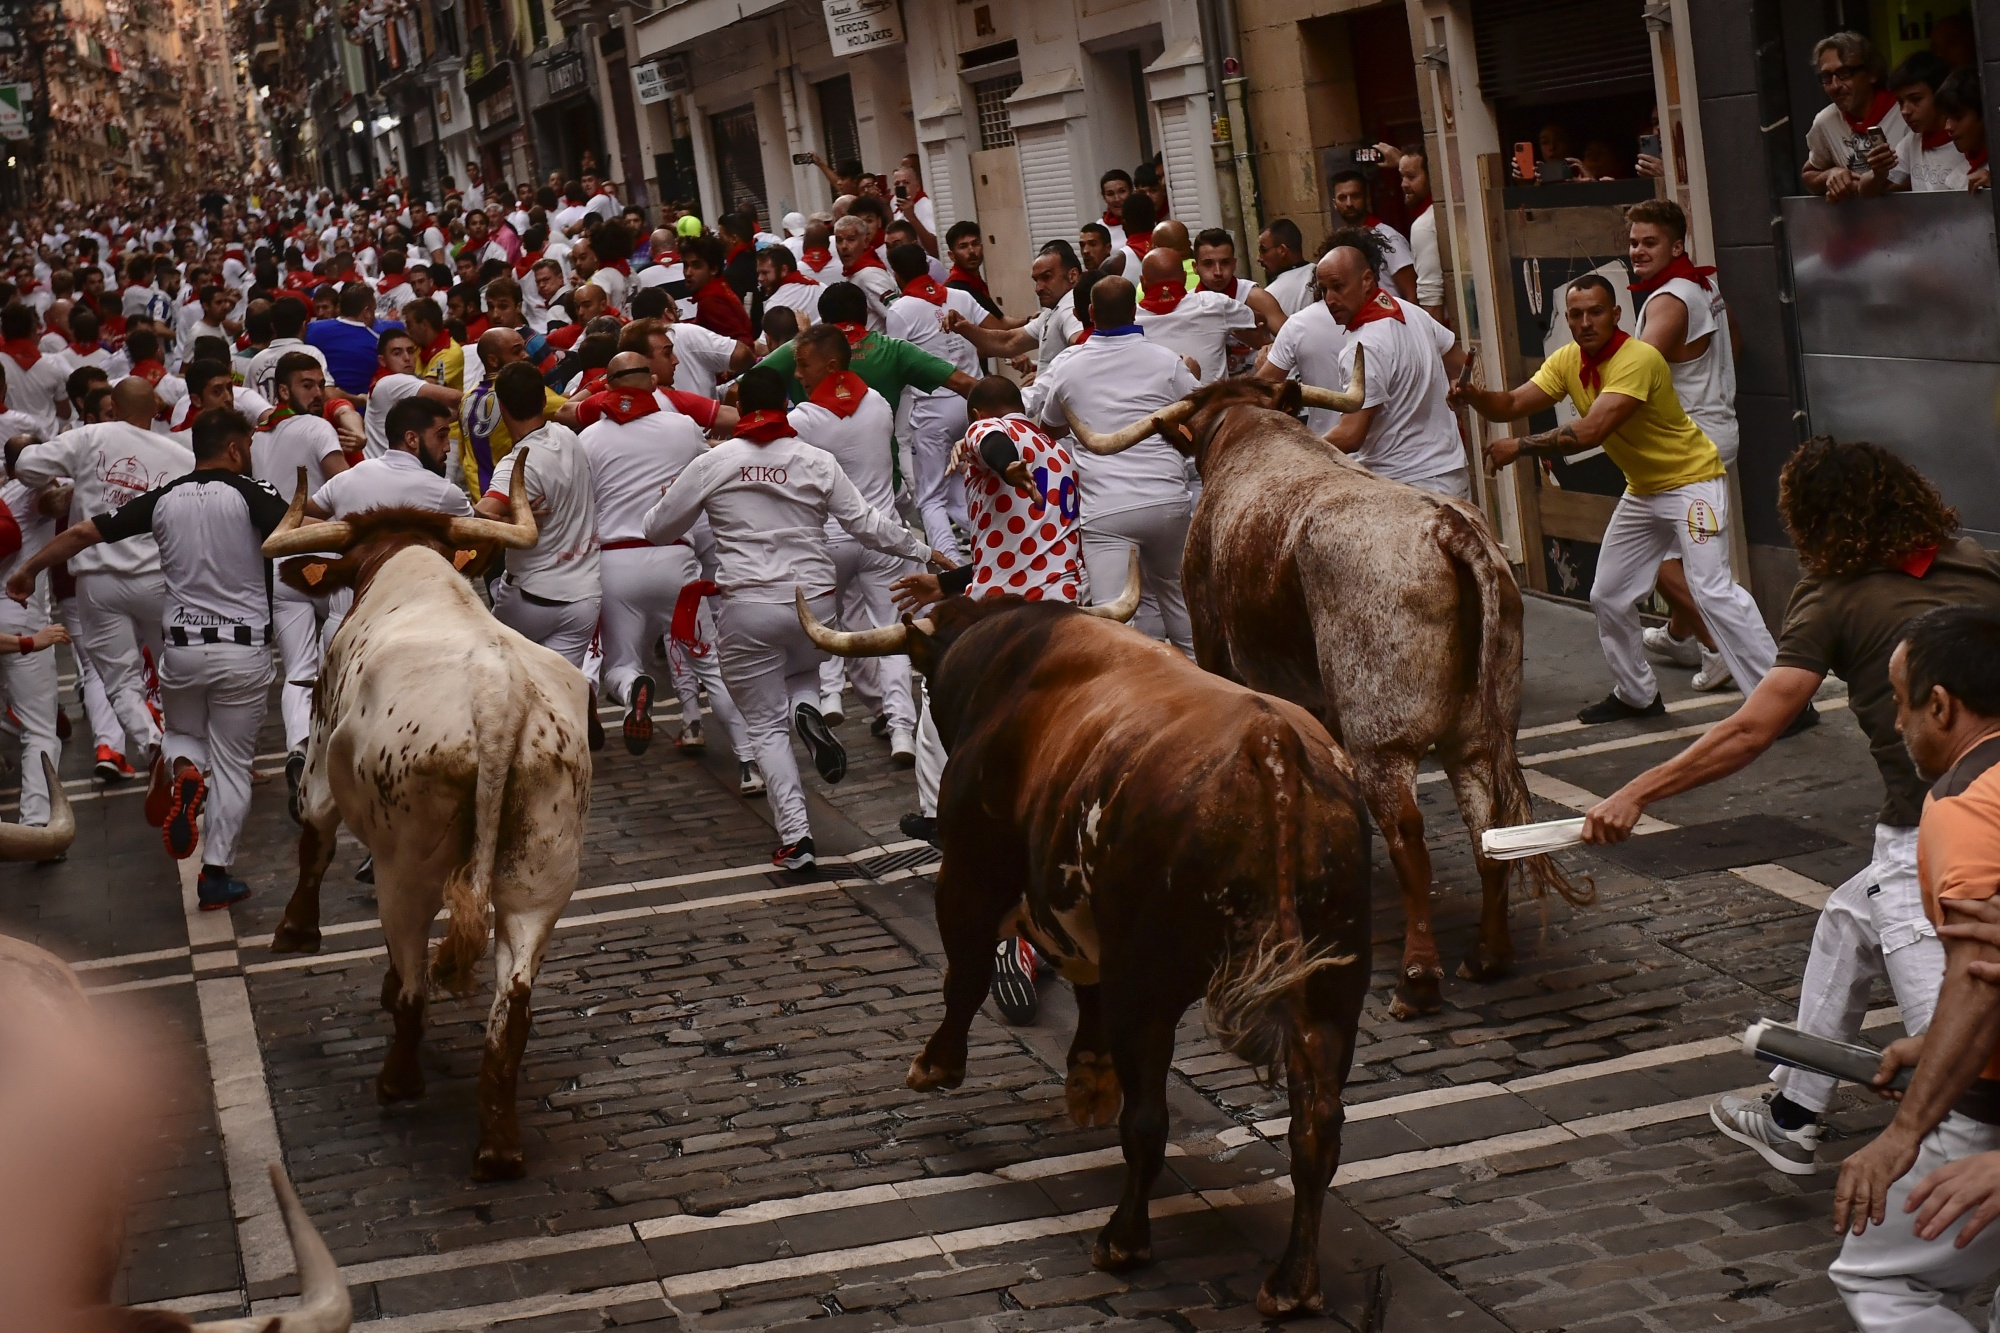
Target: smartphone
x,y
802,159
1649,145
902,192
1372,156
1524,161
1554,170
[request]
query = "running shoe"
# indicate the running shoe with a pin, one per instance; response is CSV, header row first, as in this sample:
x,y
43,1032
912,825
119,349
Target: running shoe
x,y
795,856
365,872
639,717
828,755
903,746
216,890
1661,643
692,740
185,793
749,781
921,827
1611,708
593,726
1750,1123
111,766
1014,982
295,776
829,708
1714,673
62,724
878,727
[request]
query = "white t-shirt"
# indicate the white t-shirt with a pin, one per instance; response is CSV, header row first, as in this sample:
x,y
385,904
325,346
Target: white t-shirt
x,y
1413,436
1396,253
917,321
396,478
1054,328
261,374
882,290
1110,382
768,505
1830,143
383,395
249,402
1199,327
562,565
276,455
799,296
1706,385
108,464
702,356
1430,266
1932,169
389,305
1117,229
1307,349
1292,289
860,443
631,465
35,392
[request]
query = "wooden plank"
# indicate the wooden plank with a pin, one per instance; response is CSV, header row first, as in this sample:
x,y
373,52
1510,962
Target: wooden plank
x,y
1576,515
1492,181
1595,230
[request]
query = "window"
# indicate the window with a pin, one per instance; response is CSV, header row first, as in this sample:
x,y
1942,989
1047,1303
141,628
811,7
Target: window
x,y
836,119
989,99
739,160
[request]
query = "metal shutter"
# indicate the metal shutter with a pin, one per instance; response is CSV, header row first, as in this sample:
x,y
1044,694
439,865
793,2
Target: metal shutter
x,y
1177,148
937,184
1046,190
1540,51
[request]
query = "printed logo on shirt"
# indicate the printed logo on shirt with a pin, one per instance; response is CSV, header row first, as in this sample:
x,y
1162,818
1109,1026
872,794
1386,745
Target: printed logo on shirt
x,y
126,477
765,473
1703,522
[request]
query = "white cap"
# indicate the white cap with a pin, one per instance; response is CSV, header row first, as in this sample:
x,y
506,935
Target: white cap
x,y
795,224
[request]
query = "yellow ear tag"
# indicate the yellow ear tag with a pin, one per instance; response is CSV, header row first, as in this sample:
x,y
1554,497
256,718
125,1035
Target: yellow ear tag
x,y
314,572
460,559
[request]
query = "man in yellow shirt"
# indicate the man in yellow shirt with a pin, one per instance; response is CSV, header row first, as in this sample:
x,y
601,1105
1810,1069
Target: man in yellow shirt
x,y
439,358
1675,501
484,435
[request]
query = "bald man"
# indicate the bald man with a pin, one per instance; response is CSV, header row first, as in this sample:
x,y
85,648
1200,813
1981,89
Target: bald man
x,y
1197,323
1172,235
485,437
120,592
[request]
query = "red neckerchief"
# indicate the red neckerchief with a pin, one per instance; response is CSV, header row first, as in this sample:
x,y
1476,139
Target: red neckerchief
x,y
734,251
299,280
816,257
376,379
187,422
764,426
1139,245
25,352
1880,107
279,413
1111,219
795,278
150,371
563,336
1918,562
972,280
475,328
623,266
927,287
347,275
1587,371
854,332
1975,161
621,406
91,350
592,381
528,259
390,283
840,393
1163,298
1680,267
1422,209
1370,222
1382,307
718,308
1937,138
866,259
438,347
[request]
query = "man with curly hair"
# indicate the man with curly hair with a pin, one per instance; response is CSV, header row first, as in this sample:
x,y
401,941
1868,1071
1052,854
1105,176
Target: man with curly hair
x,y
1877,548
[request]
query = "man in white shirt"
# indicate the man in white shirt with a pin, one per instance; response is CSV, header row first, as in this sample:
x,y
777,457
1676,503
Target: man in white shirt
x,y
474,193
288,321
551,590
1198,323
705,357
937,419
1351,209
28,675
36,380
1413,166
855,424
1138,498
854,240
478,243
781,283
1050,331
119,589
216,301
211,384
392,289
1926,153
1851,147
413,474
767,495
1215,266
1287,275
396,381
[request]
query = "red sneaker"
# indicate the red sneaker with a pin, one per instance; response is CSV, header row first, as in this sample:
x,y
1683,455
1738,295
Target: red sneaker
x,y
183,829
111,766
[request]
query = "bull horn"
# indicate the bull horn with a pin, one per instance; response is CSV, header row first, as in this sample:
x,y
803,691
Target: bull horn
x,y
294,536
1127,604
20,842
882,641
1120,440
323,1303
520,533
1349,401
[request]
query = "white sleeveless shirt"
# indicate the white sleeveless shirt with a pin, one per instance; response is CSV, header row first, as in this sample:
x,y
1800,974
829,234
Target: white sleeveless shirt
x,y
1706,385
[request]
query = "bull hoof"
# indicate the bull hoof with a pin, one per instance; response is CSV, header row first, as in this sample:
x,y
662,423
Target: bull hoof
x,y
1479,967
499,1164
1112,1257
399,1085
1419,992
1275,1301
289,938
1092,1091
927,1078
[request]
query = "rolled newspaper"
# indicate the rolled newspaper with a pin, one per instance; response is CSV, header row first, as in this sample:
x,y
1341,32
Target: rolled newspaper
x,y
1518,841
1777,1043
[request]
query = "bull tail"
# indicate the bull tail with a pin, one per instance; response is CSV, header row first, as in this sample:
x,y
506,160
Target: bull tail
x,y
468,890
1464,542
1250,996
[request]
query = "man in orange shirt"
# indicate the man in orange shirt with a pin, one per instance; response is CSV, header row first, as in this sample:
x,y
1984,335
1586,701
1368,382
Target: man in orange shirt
x,y
1946,675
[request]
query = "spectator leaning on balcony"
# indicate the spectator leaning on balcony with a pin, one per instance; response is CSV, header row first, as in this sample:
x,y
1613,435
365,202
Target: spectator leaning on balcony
x,y
1845,159
1927,151
1966,122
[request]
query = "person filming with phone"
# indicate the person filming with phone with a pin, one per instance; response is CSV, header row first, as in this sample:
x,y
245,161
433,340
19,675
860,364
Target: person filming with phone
x,y
1851,147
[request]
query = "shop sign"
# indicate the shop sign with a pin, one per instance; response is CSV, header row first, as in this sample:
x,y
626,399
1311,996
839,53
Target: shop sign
x,y
497,107
565,73
854,26
660,78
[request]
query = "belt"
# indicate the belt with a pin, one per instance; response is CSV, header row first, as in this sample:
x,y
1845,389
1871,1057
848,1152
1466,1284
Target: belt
x,y
242,635
1980,1102
638,543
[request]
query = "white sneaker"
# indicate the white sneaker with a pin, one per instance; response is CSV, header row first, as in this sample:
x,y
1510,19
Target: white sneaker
x,y
829,708
749,781
1714,675
903,746
1661,643
1749,1122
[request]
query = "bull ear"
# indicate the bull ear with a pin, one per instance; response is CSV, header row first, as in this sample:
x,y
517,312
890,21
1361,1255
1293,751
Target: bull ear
x,y
1176,434
1289,399
315,575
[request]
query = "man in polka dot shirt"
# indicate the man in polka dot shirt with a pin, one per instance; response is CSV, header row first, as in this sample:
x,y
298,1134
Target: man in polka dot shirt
x,y
1020,488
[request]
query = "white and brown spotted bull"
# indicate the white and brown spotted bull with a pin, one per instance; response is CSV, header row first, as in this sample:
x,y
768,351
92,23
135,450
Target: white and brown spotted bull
x,y
41,842
71,1108
1388,612
1163,834
455,750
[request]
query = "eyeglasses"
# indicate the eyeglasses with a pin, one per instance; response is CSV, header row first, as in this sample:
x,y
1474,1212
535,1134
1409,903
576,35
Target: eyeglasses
x,y
1840,74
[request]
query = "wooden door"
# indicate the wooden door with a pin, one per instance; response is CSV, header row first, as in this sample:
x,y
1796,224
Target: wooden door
x,y
1003,221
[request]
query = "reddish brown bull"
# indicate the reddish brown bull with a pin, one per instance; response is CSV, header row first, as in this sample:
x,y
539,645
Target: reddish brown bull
x,y
1165,834
1387,611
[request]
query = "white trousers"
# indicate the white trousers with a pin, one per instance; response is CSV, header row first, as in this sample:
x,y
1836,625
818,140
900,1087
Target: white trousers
x,y
861,599
120,616
641,585
1692,522
1872,925
1159,532
303,627
29,681
937,422
771,667
215,695
1894,1282
89,685
565,627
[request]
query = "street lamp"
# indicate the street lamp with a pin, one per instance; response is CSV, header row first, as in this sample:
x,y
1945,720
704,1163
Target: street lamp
x,y
359,125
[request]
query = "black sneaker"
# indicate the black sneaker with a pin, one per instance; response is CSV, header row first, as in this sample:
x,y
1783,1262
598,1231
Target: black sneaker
x,y
593,726
921,827
1611,708
183,826
295,776
366,874
639,717
795,856
216,889
828,755
1014,983
879,727
1807,719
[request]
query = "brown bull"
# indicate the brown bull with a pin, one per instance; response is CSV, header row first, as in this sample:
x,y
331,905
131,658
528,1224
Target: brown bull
x,y
1165,834
1388,612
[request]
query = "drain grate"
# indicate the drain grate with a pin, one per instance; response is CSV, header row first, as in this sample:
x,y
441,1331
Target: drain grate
x,y
909,859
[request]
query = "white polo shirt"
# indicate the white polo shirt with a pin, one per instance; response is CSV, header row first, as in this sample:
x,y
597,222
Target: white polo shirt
x,y
1199,327
396,478
261,375
1110,382
34,392
800,296
918,322
276,455
562,565
1413,436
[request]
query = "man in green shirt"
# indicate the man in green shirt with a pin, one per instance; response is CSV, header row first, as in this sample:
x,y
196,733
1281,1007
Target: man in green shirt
x,y
886,365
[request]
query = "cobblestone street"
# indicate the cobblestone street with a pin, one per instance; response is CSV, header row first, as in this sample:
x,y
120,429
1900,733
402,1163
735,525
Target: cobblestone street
x,y
719,1137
